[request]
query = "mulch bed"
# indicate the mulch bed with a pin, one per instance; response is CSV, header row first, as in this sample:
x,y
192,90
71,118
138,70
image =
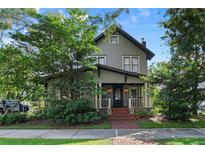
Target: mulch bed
x,y
131,141
46,122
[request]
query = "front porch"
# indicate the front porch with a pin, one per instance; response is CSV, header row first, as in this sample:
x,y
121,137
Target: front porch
x,y
119,95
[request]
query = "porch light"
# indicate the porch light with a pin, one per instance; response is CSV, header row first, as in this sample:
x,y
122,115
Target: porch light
x,y
109,90
126,90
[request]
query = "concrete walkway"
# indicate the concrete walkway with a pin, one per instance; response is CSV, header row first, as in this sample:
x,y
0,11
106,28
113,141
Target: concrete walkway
x,y
105,133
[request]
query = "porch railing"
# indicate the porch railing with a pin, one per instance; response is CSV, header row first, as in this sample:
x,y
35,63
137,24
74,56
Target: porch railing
x,y
136,102
105,103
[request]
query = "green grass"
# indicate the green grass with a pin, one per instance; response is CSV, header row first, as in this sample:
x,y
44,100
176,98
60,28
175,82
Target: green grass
x,y
103,125
16,141
182,141
171,124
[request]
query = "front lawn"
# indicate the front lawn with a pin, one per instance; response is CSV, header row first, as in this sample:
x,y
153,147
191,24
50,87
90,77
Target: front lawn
x,y
170,124
15,141
182,141
46,125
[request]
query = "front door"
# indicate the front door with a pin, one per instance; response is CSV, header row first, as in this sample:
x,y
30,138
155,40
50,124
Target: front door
x,y
117,98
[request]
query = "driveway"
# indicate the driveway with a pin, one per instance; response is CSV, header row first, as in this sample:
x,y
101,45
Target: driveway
x,y
162,133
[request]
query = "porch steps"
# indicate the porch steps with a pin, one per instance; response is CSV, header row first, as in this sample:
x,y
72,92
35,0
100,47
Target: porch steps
x,y
121,114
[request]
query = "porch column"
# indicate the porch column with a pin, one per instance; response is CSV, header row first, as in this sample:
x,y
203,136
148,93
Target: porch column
x,y
96,97
145,95
100,96
149,100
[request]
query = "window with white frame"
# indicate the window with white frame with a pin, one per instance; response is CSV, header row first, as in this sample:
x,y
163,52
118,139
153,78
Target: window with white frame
x,y
99,59
127,63
131,63
135,65
114,39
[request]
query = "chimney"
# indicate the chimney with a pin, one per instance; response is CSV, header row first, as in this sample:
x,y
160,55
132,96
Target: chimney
x,y
143,42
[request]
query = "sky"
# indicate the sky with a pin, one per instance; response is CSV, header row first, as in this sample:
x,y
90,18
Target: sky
x,y
140,23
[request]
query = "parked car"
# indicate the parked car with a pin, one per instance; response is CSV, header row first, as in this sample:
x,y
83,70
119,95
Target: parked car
x,y
9,103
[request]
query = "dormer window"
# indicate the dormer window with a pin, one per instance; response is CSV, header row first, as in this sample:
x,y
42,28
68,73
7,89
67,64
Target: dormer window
x,y
114,39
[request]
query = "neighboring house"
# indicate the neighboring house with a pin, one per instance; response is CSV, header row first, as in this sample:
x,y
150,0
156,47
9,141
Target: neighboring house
x,y
202,103
201,85
121,62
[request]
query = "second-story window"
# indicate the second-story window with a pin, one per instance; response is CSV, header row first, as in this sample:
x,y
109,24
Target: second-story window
x,y
131,63
114,39
99,59
127,63
135,66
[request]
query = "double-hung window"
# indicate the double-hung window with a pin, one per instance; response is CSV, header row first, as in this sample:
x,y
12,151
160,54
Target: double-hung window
x,y
135,64
131,63
127,63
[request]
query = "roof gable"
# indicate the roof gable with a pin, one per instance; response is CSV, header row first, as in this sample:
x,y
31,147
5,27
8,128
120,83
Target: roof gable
x,y
149,53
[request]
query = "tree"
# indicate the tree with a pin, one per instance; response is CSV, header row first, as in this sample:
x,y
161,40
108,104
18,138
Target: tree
x,y
53,46
179,78
16,77
173,95
12,20
185,35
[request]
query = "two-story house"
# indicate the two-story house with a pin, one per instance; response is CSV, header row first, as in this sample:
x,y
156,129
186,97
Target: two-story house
x,y
120,65
121,62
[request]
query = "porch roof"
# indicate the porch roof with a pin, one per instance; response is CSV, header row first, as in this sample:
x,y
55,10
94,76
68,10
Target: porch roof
x,y
109,68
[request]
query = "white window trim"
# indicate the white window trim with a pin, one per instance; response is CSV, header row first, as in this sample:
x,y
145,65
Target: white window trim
x,y
123,67
118,40
97,56
138,71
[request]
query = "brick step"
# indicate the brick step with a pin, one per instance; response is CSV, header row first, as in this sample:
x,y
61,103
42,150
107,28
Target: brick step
x,y
120,109
121,118
120,112
120,115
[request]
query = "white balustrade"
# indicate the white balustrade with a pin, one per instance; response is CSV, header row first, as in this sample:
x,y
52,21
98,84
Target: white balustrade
x,y
136,102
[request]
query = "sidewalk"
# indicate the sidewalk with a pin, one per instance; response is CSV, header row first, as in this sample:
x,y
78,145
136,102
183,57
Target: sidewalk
x,y
105,133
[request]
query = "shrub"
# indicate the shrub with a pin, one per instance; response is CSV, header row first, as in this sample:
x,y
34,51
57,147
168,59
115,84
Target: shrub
x,y
143,113
73,112
169,104
14,118
178,111
82,118
78,106
36,114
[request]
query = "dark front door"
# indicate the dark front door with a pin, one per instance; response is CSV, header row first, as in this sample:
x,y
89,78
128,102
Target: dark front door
x,y
117,98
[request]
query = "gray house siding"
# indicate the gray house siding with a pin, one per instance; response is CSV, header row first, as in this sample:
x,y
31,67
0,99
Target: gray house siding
x,y
114,58
125,47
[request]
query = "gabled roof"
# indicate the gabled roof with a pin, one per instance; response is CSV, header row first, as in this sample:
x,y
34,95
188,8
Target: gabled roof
x,y
149,53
